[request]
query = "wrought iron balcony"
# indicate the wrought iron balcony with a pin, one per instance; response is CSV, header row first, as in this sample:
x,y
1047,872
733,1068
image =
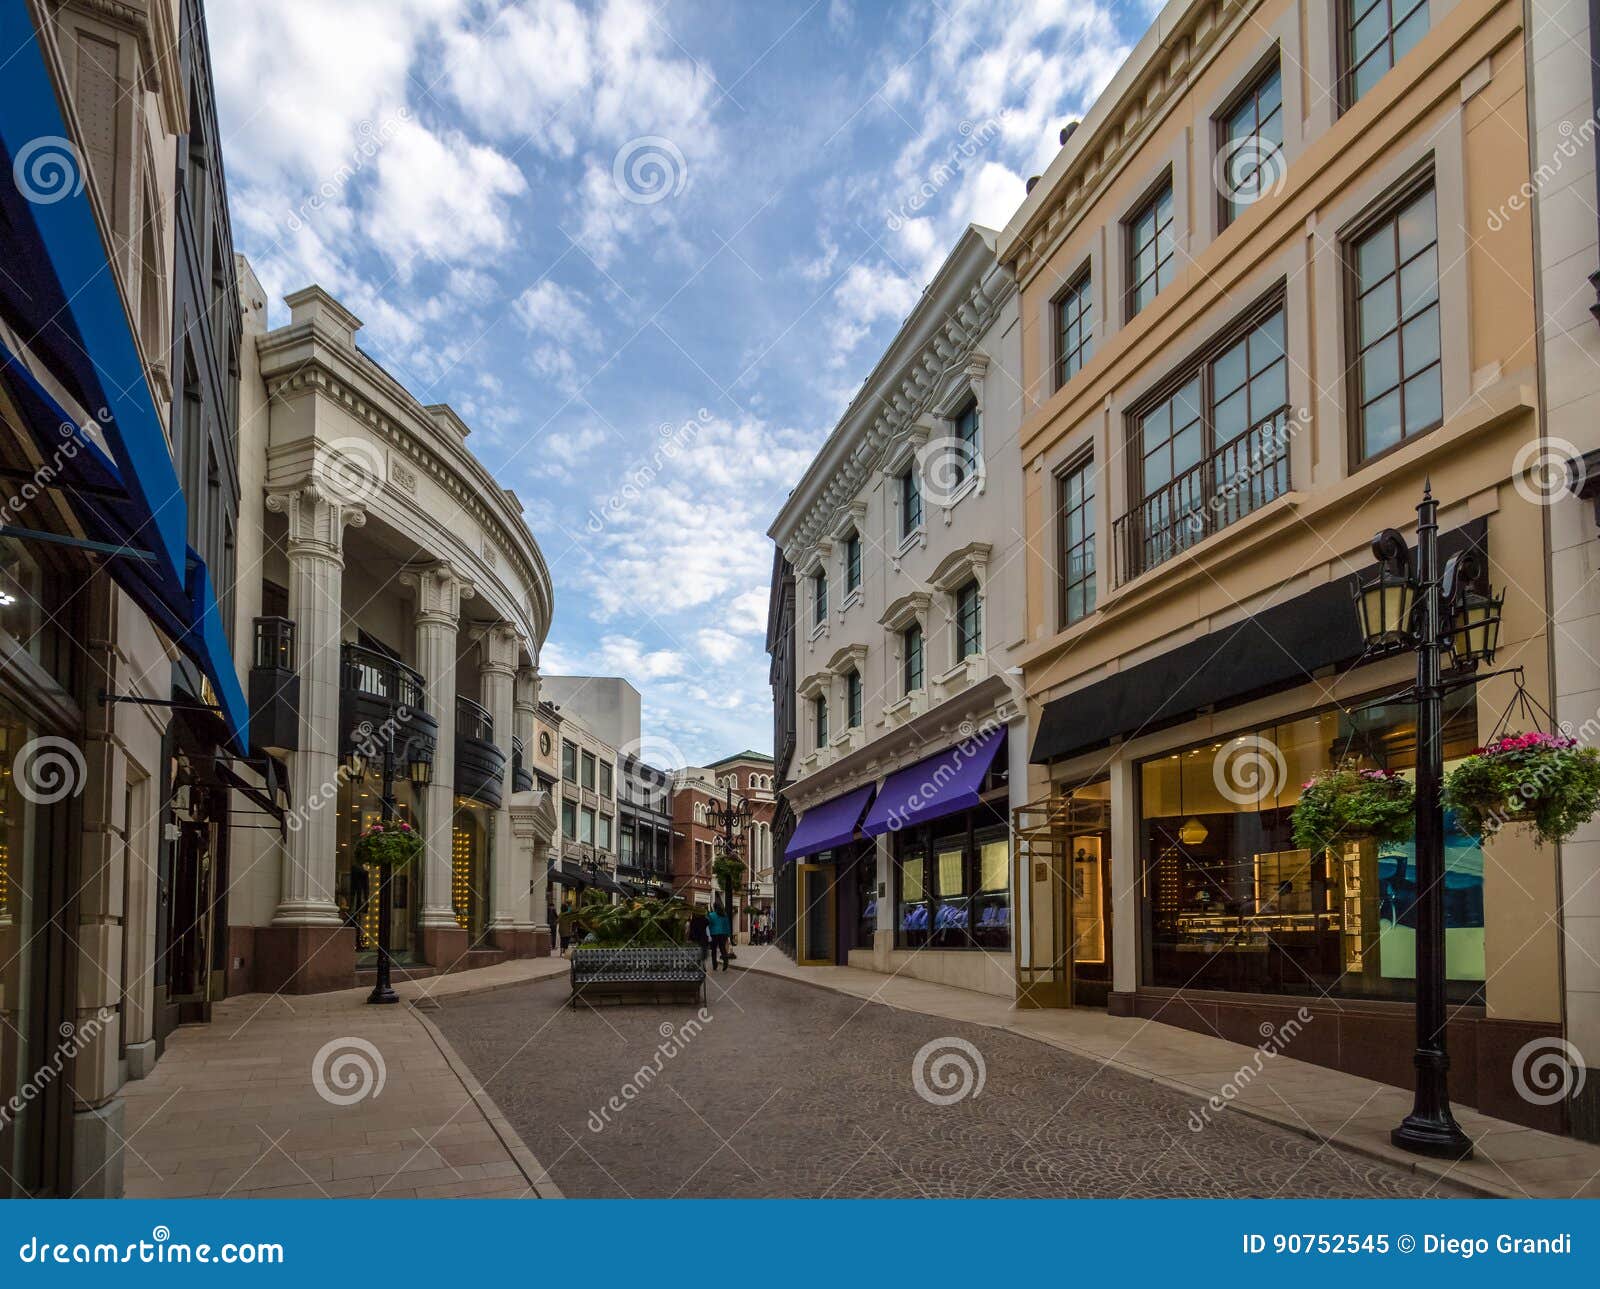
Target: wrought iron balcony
x,y
274,688
375,675
1240,477
521,775
480,763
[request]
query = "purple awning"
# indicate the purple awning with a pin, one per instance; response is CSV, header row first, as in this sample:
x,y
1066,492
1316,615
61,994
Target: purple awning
x,y
831,824
935,786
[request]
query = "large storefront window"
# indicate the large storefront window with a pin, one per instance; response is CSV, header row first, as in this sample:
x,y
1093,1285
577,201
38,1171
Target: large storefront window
x,y
469,868
361,806
953,881
1230,903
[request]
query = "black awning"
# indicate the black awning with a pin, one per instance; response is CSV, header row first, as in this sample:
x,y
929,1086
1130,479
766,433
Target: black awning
x,y
1278,648
566,875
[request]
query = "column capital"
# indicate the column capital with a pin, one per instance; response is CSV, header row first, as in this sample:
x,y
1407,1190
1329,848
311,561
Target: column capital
x,y
317,518
440,589
501,647
527,691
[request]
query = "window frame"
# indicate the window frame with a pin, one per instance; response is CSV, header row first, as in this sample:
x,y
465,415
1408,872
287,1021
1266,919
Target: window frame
x,y
853,704
1344,44
819,598
1148,202
1386,210
1248,91
587,770
819,719
968,414
852,561
1079,285
569,761
1079,463
921,658
968,619
910,490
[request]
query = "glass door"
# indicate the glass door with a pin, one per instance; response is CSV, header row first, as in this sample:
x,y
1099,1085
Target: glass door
x,y
816,938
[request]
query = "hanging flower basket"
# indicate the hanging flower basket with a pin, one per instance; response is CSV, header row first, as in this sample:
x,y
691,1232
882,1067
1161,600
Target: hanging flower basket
x,y
1349,803
1545,781
395,843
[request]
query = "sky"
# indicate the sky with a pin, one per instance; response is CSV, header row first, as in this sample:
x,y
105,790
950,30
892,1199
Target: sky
x,y
648,251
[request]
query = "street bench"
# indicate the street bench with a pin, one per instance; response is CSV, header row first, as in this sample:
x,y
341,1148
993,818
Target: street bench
x,y
674,974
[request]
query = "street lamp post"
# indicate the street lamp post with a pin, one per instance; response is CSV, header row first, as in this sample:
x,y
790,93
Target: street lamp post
x,y
730,819
1430,613
418,753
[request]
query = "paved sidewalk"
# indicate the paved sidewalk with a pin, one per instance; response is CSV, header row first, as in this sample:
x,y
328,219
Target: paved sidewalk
x,y
233,1108
1324,1104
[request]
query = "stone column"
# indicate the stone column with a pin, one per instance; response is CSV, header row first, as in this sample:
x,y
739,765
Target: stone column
x,y
497,673
530,917
533,822
301,958
440,590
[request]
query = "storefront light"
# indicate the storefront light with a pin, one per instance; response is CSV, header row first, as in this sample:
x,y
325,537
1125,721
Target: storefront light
x,y
1385,605
1475,627
1193,832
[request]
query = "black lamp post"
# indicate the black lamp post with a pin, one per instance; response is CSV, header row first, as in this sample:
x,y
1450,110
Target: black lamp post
x,y
1430,613
417,752
730,819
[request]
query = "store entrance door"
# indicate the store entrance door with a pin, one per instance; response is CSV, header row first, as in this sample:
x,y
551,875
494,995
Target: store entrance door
x,y
815,942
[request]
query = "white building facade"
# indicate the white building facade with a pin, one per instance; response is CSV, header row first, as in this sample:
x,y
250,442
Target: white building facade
x,y
904,535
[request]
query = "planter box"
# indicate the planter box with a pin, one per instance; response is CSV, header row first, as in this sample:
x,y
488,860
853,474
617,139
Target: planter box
x,y
602,974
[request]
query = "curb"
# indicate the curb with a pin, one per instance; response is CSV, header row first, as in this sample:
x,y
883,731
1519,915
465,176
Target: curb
x,y
533,1172
472,991
1393,1157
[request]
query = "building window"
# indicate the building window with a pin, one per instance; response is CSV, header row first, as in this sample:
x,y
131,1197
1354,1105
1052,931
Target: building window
x,y
910,502
586,827
1250,145
1378,34
625,844
970,455
819,709
852,690
1231,904
819,597
605,832
588,771
569,761
569,821
1394,277
852,562
953,883
969,620
1074,328
911,655
1212,450
605,779
1151,248
1075,541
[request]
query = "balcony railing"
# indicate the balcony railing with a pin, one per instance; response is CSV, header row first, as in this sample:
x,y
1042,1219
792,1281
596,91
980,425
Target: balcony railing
x,y
376,675
473,720
1240,477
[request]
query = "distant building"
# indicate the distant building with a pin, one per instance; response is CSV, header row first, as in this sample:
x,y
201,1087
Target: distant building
x,y
697,789
608,705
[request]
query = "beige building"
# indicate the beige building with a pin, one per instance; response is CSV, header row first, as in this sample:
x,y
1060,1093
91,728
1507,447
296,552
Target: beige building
x,y
391,605
1263,299
906,545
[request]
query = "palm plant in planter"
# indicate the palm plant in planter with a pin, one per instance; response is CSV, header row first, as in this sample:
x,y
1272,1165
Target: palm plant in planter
x,y
640,923
1543,780
1354,803
392,845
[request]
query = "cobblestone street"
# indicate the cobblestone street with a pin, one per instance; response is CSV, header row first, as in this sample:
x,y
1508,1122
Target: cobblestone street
x,y
789,1090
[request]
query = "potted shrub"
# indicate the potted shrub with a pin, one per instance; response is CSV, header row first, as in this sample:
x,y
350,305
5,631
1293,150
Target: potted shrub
x,y
1354,803
394,844
1545,781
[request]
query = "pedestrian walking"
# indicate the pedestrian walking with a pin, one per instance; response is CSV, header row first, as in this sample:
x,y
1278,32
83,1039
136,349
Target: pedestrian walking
x,y
700,933
721,929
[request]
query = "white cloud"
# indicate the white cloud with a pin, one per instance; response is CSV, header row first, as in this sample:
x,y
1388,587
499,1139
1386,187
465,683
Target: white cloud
x,y
549,309
717,645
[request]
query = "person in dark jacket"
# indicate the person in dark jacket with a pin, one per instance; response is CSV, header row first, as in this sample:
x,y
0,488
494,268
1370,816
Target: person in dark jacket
x,y
700,933
721,929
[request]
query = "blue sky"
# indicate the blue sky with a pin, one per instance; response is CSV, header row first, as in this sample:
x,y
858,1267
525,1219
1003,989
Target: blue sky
x,y
647,251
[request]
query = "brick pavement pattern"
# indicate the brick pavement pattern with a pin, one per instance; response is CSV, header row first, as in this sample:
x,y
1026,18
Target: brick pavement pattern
x,y
790,1090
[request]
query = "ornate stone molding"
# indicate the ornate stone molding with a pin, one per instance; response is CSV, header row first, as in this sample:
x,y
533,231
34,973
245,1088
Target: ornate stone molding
x,y
440,589
499,646
317,519
527,692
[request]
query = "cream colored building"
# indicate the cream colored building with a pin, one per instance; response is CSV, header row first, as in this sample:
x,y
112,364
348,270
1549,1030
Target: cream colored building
x,y
1229,386
390,596
905,540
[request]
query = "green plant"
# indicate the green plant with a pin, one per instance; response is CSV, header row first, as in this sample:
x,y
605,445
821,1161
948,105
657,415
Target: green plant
x,y
639,922
1350,803
394,844
1545,781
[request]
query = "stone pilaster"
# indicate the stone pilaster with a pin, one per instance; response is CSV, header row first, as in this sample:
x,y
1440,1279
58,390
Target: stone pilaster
x,y
440,589
499,647
533,826
317,520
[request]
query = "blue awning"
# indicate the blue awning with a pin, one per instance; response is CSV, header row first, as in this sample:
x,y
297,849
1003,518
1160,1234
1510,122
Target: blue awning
x,y
829,825
59,294
935,786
